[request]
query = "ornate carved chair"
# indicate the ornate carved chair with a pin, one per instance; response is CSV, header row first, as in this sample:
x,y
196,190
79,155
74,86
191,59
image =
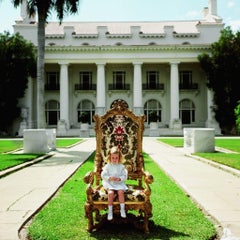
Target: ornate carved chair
x,y
119,127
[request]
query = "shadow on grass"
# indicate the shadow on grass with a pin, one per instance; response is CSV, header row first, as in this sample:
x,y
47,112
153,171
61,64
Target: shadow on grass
x,y
129,232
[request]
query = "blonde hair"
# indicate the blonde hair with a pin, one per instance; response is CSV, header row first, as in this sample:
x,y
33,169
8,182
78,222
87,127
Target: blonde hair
x,y
113,150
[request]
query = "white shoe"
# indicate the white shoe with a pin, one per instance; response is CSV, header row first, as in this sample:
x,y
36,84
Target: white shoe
x,y
110,216
123,213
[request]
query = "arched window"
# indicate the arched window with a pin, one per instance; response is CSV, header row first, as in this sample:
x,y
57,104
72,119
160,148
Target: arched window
x,y
52,111
153,111
187,111
85,111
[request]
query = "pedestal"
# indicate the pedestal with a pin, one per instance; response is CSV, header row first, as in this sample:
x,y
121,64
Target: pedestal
x,y
62,128
153,130
39,140
84,130
199,140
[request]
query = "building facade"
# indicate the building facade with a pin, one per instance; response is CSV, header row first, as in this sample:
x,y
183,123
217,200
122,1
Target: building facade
x,y
153,66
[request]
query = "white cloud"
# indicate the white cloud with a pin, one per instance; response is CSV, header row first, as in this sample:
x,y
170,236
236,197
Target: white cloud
x,y
231,4
193,14
234,24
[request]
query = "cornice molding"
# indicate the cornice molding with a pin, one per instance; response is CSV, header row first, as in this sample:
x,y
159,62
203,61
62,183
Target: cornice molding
x,y
152,35
55,36
186,35
85,35
122,48
118,35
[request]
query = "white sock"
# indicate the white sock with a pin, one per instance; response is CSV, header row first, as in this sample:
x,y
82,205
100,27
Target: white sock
x,y
122,210
110,213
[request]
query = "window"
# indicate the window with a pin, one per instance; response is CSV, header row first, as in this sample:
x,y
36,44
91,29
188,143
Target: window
x,y
185,80
152,79
52,81
85,80
153,111
85,111
119,80
52,111
187,111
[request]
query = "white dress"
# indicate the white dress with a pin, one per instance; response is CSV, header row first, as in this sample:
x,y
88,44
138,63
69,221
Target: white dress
x,y
114,170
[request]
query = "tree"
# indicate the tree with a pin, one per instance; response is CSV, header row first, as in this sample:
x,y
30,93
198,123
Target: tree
x,y
237,114
18,62
222,71
43,8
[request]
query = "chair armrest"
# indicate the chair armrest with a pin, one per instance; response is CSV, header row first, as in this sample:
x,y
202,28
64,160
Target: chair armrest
x,y
89,180
148,178
89,177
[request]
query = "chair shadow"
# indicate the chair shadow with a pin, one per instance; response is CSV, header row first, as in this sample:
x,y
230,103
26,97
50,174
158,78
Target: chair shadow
x,y
129,232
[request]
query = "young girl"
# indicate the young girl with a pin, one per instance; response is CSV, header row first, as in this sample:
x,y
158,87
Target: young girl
x,y
114,175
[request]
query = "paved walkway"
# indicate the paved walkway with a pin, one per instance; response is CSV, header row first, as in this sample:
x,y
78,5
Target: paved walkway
x,y
217,191
25,191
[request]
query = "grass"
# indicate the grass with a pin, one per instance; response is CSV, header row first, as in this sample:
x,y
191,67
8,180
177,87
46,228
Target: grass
x,y
62,143
8,160
175,216
175,142
11,160
10,145
231,144
228,159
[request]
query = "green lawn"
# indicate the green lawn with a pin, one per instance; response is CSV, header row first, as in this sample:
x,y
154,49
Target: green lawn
x,y
10,145
175,216
11,160
62,143
229,143
8,160
228,159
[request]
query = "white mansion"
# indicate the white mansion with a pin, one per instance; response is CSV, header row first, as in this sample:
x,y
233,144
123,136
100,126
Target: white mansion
x,y
153,66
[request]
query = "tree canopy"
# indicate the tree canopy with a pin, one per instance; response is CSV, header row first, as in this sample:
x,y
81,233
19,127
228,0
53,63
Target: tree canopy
x,y
237,114
43,10
222,68
18,62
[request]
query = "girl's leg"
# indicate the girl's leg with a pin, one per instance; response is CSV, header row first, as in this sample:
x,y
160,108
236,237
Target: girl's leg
x,y
110,197
122,203
121,196
110,204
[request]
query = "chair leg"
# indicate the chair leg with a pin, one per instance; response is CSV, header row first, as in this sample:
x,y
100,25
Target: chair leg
x,y
89,216
146,228
147,215
97,215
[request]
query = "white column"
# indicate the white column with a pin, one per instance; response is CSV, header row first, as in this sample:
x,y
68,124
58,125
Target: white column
x,y
64,94
209,105
137,88
24,14
212,5
101,89
29,95
211,121
174,96
27,109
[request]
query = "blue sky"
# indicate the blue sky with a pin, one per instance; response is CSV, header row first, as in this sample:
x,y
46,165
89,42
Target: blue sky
x,y
134,10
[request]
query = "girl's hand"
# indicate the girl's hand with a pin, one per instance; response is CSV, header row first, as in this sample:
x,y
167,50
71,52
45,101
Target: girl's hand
x,y
115,179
